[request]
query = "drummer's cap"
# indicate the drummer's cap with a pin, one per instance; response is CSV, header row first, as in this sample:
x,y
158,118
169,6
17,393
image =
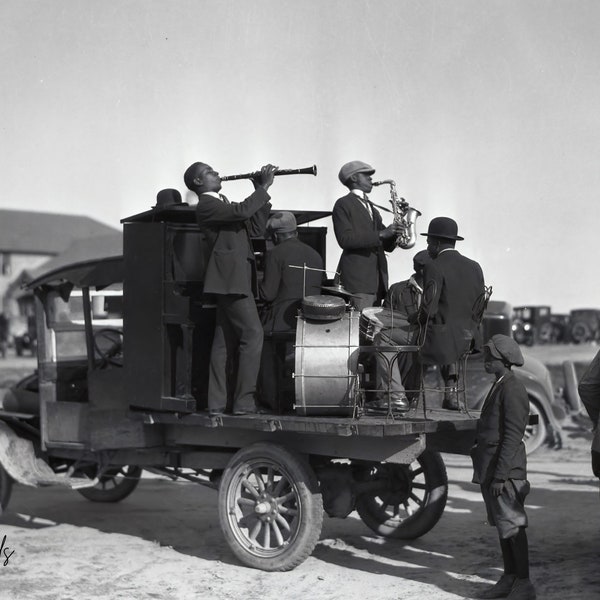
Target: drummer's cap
x,y
282,222
352,168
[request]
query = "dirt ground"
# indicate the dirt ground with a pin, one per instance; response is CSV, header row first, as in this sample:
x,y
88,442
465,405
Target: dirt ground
x,y
164,542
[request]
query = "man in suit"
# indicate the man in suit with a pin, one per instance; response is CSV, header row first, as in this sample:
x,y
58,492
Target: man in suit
x,y
363,237
283,287
452,304
237,343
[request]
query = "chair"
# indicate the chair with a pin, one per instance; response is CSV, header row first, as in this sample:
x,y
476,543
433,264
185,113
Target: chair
x,y
477,313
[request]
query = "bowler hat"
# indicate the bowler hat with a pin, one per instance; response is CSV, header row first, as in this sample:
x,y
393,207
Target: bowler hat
x,y
352,168
167,197
506,349
443,227
282,222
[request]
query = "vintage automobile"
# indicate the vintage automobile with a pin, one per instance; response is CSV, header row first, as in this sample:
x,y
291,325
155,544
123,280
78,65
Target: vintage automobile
x,y
528,322
123,389
585,325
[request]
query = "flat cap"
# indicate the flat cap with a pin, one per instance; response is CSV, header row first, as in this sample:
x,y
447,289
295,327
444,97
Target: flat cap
x,y
505,349
282,222
353,167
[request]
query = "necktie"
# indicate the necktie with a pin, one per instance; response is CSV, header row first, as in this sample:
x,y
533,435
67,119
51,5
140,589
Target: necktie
x,y
365,201
224,199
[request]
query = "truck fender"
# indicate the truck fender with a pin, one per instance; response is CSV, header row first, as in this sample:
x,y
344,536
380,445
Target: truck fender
x,y
17,456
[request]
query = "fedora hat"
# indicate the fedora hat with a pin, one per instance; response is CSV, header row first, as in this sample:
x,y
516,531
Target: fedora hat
x,y
443,227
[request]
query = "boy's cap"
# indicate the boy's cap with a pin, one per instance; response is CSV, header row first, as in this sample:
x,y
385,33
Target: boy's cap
x,y
352,168
506,349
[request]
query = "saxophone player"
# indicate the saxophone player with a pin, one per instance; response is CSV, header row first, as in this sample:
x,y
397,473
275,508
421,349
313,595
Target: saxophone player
x,y
363,237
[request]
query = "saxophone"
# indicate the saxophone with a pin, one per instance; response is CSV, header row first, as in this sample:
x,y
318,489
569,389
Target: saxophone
x,y
404,215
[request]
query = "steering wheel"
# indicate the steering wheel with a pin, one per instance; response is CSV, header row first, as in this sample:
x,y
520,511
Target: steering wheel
x,y
108,344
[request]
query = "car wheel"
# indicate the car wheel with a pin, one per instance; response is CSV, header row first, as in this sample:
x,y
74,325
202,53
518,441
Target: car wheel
x,y
270,507
535,435
5,489
115,485
409,500
581,332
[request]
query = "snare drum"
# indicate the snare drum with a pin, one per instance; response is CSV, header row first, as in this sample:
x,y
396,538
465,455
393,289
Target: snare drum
x,y
326,367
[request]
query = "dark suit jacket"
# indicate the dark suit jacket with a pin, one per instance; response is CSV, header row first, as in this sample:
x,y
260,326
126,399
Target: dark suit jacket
x,y
452,287
499,452
228,228
283,286
363,263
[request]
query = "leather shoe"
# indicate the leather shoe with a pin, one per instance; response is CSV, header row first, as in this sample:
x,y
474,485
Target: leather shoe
x,y
451,399
501,589
522,589
398,404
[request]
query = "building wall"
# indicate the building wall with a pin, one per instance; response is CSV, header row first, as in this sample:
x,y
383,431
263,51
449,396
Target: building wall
x,y
12,267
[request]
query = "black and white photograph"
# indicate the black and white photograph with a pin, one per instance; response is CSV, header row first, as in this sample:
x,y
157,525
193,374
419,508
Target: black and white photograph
x,y
298,299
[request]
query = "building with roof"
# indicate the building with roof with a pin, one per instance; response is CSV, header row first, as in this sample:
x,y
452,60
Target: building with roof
x,y
29,240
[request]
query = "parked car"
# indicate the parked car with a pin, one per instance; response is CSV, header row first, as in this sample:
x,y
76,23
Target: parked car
x,y
528,322
585,325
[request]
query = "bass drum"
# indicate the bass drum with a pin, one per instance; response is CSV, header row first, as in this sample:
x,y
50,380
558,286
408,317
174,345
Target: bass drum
x,y
325,375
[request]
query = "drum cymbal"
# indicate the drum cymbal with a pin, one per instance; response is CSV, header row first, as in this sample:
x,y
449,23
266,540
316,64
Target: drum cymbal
x,y
337,289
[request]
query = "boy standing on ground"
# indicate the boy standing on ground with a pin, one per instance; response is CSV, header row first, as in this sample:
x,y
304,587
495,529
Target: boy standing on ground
x,y
500,466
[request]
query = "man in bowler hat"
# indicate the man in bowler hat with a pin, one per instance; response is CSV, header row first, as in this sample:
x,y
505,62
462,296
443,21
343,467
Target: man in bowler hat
x,y
363,237
452,304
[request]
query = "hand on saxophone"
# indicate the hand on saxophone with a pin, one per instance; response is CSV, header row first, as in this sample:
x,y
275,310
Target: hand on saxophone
x,y
391,232
264,178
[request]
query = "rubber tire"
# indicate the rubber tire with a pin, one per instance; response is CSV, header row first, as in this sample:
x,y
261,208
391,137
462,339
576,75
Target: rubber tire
x,y
571,392
581,332
6,484
307,498
119,492
374,515
536,435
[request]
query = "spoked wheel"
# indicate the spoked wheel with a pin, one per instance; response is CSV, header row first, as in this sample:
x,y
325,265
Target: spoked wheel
x,y
5,489
409,500
270,508
115,485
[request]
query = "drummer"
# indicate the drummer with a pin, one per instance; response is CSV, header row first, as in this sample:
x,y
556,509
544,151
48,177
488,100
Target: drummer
x,y
292,270
402,301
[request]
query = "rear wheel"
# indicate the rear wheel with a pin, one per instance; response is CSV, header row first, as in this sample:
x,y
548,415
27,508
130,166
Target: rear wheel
x,y
411,499
5,488
270,508
581,332
115,485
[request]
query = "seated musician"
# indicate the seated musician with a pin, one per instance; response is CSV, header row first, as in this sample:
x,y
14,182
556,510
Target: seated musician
x,y
401,305
284,284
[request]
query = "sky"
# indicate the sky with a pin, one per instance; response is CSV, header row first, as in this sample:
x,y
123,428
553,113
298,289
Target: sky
x,y
485,111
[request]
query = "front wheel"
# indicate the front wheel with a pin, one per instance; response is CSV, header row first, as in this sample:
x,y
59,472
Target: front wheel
x,y
115,485
5,489
410,499
270,508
